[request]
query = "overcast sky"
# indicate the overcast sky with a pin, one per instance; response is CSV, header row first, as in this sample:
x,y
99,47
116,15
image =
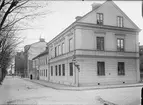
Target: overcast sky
x,y
63,13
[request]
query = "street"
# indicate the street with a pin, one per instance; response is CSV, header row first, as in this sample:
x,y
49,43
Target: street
x,y
15,90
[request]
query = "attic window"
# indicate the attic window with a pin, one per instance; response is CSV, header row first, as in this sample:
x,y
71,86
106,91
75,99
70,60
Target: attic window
x,y
100,18
119,21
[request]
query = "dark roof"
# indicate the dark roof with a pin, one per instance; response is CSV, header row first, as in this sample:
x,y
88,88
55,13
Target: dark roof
x,y
41,54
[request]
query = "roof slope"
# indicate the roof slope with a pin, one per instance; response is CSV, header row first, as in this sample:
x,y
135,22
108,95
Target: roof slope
x,y
41,54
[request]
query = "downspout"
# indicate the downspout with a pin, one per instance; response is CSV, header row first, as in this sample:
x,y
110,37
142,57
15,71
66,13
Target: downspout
x,y
76,70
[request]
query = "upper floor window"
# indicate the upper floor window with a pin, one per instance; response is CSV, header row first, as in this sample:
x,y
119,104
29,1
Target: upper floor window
x,y
119,21
63,48
71,44
100,68
55,51
100,18
120,44
59,48
100,43
121,68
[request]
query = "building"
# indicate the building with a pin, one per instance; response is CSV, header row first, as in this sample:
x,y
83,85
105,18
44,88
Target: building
x,y
31,51
99,48
141,61
19,63
40,66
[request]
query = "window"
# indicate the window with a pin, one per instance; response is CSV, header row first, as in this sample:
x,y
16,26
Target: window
x,y
51,70
59,70
121,68
100,68
63,48
119,21
63,68
55,51
120,44
71,69
100,18
56,70
59,50
46,72
70,44
100,43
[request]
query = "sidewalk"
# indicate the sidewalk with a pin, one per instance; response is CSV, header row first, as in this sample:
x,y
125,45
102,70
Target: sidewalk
x,y
66,87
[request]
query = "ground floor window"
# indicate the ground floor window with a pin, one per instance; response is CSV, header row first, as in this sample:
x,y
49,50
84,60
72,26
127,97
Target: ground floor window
x,y
121,68
59,70
56,70
100,68
71,69
46,72
63,69
51,70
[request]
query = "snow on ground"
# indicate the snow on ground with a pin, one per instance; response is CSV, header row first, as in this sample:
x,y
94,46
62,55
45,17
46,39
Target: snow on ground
x,y
16,90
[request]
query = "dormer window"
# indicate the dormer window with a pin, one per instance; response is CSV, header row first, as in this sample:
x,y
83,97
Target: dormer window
x,y
100,18
119,21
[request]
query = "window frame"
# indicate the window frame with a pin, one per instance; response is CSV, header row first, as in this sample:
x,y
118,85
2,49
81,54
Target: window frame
x,y
71,44
119,48
122,72
56,70
100,45
63,69
60,70
99,19
63,48
120,21
101,72
51,70
71,69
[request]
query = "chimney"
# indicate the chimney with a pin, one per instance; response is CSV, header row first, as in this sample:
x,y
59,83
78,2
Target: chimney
x,y
77,18
95,5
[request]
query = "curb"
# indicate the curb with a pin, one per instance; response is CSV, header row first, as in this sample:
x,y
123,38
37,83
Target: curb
x,y
84,88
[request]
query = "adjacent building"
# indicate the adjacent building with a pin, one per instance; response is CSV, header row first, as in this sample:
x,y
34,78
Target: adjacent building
x,y
99,48
40,66
19,63
31,51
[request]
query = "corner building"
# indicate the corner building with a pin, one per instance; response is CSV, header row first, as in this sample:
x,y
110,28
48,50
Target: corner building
x,y
104,45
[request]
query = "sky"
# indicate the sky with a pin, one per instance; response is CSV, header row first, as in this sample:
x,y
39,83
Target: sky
x,y
60,14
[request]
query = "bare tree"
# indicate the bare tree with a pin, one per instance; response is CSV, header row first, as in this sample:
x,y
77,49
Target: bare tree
x,y
12,13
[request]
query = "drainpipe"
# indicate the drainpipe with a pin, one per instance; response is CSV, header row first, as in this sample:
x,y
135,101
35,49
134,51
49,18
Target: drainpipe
x,y
75,66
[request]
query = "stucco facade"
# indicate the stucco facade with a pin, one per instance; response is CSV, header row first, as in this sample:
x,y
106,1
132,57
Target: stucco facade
x,y
89,53
32,51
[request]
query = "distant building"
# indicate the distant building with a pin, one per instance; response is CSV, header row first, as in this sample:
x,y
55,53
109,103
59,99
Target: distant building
x,y
31,51
99,48
40,66
19,64
141,61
